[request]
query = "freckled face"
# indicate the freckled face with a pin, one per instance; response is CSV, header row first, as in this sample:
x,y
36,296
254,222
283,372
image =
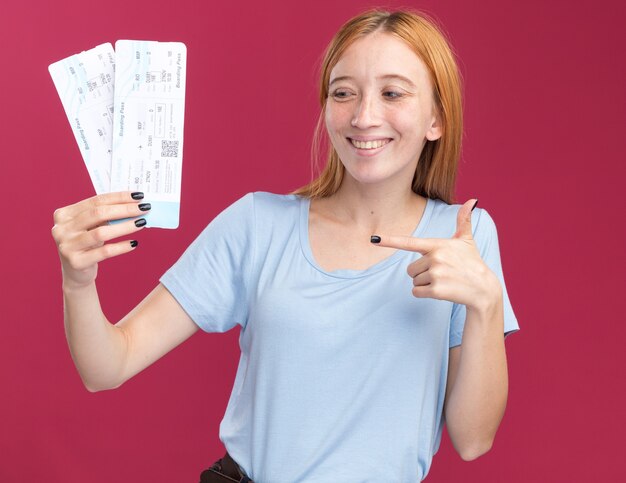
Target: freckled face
x,y
380,109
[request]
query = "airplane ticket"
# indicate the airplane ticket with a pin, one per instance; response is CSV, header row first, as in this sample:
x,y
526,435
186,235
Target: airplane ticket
x,y
84,83
148,125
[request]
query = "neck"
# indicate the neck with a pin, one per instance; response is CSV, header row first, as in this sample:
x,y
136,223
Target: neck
x,y
375,208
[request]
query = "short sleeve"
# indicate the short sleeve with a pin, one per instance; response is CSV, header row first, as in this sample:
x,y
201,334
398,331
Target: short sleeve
x,y
486,238
210,280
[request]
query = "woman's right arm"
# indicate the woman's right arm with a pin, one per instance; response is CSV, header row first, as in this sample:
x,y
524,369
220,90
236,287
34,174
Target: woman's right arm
x,y
107,355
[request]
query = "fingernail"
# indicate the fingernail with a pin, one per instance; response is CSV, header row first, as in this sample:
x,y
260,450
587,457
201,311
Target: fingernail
x,y
137,195
140,222
375,239
144,206
134,243
475,204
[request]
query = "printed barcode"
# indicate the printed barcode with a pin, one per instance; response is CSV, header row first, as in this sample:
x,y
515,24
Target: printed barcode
x,y
169,149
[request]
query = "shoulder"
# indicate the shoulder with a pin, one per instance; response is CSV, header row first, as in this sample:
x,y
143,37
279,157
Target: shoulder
x,y
271,209
266,201
260,203
256,213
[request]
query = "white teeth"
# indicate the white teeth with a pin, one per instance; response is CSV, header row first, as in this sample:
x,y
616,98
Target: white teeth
x,y
369,144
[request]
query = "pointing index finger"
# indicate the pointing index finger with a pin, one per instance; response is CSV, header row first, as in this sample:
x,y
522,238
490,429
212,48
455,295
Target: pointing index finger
x,y
409,243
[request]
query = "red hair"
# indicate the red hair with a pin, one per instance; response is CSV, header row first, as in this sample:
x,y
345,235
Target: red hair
x,y
435,175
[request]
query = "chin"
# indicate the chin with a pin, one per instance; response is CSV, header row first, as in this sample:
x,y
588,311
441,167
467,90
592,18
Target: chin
x,y
368,178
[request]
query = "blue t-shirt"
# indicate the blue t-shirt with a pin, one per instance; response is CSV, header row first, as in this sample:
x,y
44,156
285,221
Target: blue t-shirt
x,y
342,374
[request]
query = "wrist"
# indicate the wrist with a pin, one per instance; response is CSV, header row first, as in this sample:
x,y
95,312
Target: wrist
x,y
72,287
489,301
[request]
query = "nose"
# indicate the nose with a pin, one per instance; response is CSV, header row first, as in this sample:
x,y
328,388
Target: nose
x,y
366,113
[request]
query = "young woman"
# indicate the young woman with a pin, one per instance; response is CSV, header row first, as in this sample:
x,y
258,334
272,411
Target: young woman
x,y
371,309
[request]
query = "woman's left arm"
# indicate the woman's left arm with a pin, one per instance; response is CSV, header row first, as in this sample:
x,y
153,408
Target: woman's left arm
x,y
477,387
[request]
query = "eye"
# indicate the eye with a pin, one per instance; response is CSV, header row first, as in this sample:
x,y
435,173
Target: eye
x,y
392,95
341,94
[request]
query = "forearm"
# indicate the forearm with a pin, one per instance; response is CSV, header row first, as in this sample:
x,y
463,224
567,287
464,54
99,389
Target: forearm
x,y
97,347
477,398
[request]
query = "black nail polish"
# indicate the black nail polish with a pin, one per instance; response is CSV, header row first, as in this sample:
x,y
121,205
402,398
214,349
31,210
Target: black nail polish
x,y
144,206
137,195
134,243
375,239
140,222
475,205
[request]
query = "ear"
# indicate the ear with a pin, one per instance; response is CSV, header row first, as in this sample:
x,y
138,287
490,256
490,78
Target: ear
x,y
435,131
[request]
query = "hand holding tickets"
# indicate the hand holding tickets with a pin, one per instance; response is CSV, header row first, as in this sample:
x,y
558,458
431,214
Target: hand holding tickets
x,y
84,238
126,109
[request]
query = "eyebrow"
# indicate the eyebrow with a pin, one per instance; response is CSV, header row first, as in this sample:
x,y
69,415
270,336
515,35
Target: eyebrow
x,y
385,77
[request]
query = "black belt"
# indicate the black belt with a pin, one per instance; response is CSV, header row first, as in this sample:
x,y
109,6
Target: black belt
x,y
223,471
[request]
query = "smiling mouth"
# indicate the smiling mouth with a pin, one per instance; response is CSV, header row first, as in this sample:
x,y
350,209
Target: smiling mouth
x,y
375,144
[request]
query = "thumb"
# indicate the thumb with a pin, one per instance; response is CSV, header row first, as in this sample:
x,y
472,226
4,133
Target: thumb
x,y
464,220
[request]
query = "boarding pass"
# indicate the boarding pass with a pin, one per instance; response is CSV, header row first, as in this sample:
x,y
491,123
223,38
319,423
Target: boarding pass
x,y
148,124
142,138
85,85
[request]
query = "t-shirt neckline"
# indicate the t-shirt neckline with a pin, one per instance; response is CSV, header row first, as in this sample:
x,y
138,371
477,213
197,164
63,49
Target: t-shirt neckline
x,y
305,204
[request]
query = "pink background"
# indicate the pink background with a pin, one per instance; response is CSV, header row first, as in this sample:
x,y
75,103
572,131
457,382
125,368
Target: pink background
x,y
545,114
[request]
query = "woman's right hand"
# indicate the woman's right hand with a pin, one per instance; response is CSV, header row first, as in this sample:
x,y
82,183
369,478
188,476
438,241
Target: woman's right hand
x,y
81,232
